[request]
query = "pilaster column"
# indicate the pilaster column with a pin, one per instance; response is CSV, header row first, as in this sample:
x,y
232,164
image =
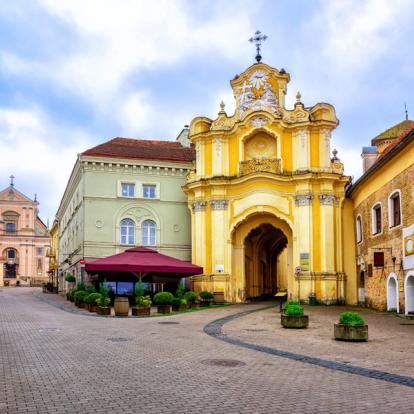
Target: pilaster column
x,y
219,220
199,247
327,202
325,148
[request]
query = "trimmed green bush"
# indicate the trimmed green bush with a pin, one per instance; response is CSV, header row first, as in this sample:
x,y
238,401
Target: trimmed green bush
x,y
176,301
190,296
70,278
291,302
351,318
103,301
294,310
144,301
80,294
90,289
205,295
163,298
80,286
92,298
180,291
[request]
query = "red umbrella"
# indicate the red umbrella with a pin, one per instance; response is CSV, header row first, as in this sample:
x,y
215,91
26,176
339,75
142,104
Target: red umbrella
x,y
143,260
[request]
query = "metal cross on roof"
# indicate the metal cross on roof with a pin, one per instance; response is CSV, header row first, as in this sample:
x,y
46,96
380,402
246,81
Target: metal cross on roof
x,y
12,177
258,38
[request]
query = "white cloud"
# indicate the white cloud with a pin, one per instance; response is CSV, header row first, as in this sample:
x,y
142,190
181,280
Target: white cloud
x,y
39,163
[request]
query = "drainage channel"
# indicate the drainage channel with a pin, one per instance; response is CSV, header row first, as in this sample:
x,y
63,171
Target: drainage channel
x,y
214,329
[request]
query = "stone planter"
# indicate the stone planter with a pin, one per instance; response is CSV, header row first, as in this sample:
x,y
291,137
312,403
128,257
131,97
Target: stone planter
x,y
81,304
351,333
104,310
140,311
178,308
164,308
294,321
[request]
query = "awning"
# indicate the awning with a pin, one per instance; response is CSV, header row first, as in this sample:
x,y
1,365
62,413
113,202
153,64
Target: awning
x,y
144,260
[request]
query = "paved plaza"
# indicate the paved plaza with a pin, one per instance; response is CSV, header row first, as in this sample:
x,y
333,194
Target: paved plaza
x,y
60,361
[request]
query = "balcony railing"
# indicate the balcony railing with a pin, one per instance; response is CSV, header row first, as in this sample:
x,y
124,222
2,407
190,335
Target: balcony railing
x,y
271,165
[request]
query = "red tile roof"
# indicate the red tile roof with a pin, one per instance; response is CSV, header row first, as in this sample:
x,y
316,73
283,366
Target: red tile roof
x,y
132,148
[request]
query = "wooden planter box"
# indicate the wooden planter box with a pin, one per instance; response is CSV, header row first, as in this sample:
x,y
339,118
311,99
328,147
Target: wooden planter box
x,y
81,304
294,321
351,333
139,311
164,308
104,310
177,308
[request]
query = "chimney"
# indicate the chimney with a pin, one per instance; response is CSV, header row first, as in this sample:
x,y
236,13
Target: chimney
x,y
369,156
183,137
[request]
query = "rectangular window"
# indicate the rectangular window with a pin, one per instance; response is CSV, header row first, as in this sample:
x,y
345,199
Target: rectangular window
x,y
128,190
10,227
396,210
377,227
149,190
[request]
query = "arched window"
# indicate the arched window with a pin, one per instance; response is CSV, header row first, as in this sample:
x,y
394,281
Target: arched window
x,y
149,231
376,217
394,209
359,229
127,231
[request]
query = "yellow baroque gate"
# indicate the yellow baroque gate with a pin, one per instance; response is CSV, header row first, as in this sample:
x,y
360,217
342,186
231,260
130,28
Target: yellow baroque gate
x,y
267,199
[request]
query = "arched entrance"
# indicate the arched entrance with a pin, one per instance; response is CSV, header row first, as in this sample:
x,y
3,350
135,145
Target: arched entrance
x,y
392,293
262,248
262,256
409,293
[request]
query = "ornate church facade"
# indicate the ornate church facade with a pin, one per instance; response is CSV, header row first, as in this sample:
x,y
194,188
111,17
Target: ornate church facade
x,y
267,199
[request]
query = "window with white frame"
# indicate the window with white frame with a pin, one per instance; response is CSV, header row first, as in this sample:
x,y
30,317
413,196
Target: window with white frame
x,y
127,232
149,232
149,191
376,215
394,209
128,189
359,229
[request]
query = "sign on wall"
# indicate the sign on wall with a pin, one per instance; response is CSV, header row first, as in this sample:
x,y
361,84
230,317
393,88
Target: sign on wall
x,y
304,261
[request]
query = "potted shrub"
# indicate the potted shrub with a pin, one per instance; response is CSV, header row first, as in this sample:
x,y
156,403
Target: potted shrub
x,y
351,327
143,306
70,278
179,304
191,299
293,316
163,300
104,301
90,301
206,298
79,298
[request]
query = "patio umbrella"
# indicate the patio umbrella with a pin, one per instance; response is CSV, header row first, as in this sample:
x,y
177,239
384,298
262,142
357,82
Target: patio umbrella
x,y
140,260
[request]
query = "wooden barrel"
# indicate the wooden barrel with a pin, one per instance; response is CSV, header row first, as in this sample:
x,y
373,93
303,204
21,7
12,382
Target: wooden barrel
x,y
121,306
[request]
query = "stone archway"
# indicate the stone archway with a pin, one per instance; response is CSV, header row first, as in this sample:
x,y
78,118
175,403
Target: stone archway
x,y
262,256
409,293
392,293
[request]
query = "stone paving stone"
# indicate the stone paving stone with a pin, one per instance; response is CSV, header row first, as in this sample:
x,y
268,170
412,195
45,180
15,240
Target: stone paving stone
x,y
53,361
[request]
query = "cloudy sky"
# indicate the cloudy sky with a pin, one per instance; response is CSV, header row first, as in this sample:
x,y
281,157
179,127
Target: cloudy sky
x,y
75,73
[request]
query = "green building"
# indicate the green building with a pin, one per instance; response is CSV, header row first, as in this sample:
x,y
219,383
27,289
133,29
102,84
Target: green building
x,y
123,193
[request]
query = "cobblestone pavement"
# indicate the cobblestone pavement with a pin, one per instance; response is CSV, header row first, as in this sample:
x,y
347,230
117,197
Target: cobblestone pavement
x,y
54,361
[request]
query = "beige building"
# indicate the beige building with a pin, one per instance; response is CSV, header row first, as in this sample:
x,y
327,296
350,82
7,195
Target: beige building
x,y
24,240
383,199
